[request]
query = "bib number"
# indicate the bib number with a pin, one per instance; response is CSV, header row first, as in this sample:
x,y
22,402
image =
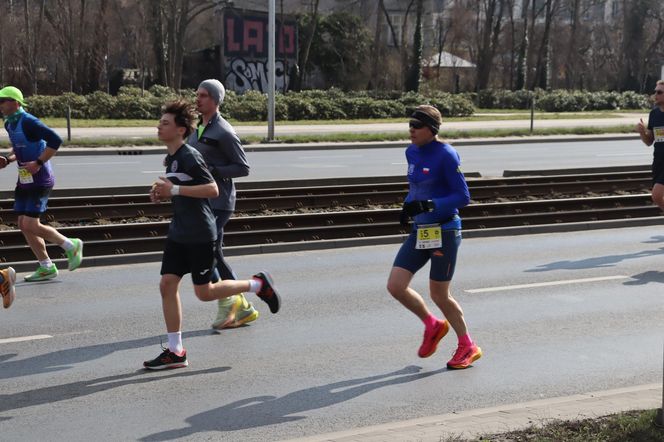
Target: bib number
x,y
24,176
429,236
659,134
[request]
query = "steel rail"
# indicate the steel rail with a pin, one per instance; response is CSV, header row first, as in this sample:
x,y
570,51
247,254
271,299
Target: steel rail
x,y
119,239
118,206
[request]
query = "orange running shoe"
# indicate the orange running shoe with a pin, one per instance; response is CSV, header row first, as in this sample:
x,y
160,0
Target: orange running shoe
x,y
464,356
432,336
7,286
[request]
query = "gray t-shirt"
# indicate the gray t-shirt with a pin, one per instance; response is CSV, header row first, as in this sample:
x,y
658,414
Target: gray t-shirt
x,y
222,150
193,220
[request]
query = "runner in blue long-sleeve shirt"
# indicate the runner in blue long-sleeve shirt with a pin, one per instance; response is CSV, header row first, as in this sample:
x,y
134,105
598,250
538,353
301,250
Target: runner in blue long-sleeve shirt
x,y
437,189
33,145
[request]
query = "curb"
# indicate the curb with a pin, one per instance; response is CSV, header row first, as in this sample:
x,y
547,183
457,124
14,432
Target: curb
x,y
503,418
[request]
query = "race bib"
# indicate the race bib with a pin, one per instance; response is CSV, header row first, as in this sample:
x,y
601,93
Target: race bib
x,y
659,134
429,236
24,177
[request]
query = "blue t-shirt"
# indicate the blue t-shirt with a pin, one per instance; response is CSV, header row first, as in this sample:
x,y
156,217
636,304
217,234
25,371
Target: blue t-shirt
x,y
434,173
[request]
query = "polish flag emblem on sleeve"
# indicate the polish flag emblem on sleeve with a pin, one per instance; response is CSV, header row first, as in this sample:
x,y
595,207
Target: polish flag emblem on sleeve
x,y
425,170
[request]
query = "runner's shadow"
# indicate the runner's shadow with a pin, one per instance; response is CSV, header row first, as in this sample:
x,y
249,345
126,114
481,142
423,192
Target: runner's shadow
x,y
596,262
7,356
64,359
645,278
48,395
270,410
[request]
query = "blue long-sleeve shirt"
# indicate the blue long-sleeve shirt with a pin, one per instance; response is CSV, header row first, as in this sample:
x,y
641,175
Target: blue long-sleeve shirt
x,y
434,173
35,130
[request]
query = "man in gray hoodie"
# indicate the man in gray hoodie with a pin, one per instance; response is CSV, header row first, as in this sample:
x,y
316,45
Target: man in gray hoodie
x,y
222,150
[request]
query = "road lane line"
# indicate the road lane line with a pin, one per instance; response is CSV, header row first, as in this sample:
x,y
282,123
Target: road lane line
x,y
111,163
545,284
24,338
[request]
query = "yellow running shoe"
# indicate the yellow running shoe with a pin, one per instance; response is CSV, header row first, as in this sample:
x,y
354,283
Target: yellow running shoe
x,y
234,311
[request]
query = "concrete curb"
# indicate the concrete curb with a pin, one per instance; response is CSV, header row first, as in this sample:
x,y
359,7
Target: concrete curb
x,y
503,418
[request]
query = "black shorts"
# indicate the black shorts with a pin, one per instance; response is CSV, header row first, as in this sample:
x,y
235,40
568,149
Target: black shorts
x,y
658,169
197,259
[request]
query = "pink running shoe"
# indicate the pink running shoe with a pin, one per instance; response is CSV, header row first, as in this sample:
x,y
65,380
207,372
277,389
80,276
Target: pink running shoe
x,y
464,357
432,336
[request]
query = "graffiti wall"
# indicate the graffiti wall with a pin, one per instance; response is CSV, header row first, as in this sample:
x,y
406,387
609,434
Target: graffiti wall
x,y
246,51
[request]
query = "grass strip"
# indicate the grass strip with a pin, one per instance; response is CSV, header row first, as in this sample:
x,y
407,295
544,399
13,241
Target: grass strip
x,y
349,137
497,114
630,426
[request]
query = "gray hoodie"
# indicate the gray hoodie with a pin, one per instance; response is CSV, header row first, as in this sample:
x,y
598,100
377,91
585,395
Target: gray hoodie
x,y
225,157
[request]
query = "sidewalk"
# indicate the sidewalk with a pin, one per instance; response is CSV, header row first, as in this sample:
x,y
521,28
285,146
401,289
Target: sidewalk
x,y
473,423
283,128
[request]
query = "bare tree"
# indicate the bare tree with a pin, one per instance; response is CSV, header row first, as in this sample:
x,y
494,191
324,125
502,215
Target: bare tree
x,y
522,59
377,52
30,44
311,32
415,68
80,31
489,16
171,19
543,65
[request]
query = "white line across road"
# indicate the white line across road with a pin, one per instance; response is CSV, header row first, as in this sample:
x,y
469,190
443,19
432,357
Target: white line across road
x,y
24,338
545,284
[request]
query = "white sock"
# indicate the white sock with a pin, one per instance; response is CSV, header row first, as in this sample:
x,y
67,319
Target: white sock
x,y
67,245
175,342
46,263
254,285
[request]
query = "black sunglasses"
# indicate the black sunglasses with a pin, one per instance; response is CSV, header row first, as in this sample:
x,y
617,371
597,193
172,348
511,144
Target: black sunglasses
x,y
4,100
416,124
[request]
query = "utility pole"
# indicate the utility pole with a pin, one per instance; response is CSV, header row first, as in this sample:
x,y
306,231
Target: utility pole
x,y
270,71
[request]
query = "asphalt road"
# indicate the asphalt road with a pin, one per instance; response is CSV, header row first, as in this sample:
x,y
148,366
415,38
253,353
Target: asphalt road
x,y
341,353
488,159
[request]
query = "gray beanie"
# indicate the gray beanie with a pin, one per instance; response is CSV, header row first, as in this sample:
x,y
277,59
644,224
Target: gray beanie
x,y
214,88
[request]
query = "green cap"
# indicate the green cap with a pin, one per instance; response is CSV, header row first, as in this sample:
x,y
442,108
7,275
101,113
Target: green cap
x,y
13,93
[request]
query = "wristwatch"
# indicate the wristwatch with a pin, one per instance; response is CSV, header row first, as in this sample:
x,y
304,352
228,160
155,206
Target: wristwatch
x,y
39,161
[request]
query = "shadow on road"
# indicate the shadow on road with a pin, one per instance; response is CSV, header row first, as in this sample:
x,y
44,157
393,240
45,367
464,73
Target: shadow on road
x,y
270,410
645,278
64,359
596,262
48,395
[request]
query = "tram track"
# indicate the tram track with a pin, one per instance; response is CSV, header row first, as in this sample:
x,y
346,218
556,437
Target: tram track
x,y
370,209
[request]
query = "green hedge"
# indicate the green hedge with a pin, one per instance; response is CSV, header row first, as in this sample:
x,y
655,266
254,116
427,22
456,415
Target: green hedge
x,y
560,100
332,104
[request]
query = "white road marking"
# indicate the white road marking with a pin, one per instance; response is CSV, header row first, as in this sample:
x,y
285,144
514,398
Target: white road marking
x,y
321,157
154,171
545,284
24,338
97,164
631,154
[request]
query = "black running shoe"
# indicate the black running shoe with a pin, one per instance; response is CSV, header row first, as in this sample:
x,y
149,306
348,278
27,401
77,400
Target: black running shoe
x,y
167,359
268,291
